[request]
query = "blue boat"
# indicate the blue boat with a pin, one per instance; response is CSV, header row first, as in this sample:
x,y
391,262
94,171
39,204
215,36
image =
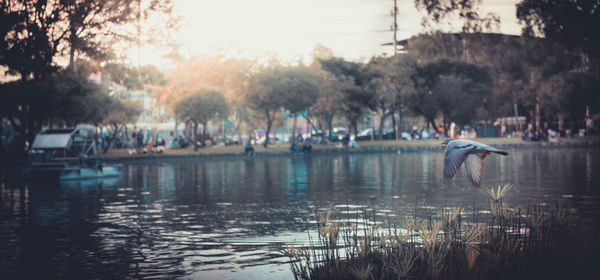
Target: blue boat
x,y
69,154
81,173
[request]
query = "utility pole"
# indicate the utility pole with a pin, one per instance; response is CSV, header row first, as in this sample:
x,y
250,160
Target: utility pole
x,y
139,34
395,27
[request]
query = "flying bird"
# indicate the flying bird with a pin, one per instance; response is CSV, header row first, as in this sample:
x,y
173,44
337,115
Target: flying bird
x,y
470,152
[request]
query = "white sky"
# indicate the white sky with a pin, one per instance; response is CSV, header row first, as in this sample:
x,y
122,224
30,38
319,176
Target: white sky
x,y
353,29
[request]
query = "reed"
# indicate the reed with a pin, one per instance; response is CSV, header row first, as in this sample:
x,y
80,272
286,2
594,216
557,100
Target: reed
x,y
537,242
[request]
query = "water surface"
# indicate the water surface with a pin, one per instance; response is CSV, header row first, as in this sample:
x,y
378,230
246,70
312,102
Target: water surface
x,y
226,218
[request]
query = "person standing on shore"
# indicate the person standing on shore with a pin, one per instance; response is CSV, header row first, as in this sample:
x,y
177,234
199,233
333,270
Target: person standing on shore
x,y
248,148
451,133
139,142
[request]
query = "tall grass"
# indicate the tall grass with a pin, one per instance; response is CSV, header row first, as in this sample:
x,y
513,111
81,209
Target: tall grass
x,y
506,242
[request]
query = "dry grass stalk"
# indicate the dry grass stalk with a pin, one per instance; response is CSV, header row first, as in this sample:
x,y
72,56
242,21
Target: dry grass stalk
x,y
362,272
449,245
498,193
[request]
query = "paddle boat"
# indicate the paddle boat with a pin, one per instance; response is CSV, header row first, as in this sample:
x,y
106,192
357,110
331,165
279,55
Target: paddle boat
x,y
69,154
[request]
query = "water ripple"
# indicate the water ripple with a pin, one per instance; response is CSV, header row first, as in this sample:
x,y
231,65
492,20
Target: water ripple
x,y
228,218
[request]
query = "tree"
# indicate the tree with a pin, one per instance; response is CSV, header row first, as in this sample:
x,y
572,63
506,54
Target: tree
x,y
265,94
118,114
200,108
28,47
227,75
453,89
441,11
35,33
572,23
299,90
93,26
66,98
392,84
357,98
329,101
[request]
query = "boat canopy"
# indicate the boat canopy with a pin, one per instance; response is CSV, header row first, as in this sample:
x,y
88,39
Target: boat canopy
x,y
54,139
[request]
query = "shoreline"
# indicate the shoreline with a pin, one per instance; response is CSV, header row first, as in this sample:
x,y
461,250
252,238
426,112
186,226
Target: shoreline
x,y
401,146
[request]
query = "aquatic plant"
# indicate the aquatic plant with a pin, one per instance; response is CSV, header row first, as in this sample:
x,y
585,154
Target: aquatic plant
x,y
539,241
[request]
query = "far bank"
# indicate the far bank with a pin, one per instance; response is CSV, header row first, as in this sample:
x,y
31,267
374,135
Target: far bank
x,y
363,147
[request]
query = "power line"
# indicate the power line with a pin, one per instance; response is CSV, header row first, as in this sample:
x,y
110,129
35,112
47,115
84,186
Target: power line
x,y
349,33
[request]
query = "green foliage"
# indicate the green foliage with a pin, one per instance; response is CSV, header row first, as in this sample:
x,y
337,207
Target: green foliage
x,y
357,97
453,89
572,23
35,33
440,11
202,107
66,97
392,83
27,47
342,68
299,87
133,78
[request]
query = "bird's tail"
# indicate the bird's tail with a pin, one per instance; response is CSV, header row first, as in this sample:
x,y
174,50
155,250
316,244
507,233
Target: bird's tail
x,y
495,150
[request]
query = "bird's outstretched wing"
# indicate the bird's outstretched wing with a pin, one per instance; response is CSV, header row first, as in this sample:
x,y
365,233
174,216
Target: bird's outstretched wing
x,y
453,159
474,166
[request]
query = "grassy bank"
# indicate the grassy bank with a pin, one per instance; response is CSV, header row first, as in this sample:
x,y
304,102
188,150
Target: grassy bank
x,y
505,242
364,146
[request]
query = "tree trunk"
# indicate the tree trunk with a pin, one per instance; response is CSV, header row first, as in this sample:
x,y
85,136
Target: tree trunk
x,y
202,141
400,124
195,136
561,121
72,58
381,123
310,124
126,135
354,127
330,125
516,111
294,129
537,114
269,123
432,122
72,41
187,131
322,128
485,128
96,137
394,127
110,138
238,126
239,131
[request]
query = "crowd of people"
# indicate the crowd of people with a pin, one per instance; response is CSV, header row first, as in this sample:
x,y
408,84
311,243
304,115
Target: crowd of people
x,y
150,142
301,145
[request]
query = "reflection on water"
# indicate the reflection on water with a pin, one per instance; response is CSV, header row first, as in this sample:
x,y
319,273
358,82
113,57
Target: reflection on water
x,y
226,218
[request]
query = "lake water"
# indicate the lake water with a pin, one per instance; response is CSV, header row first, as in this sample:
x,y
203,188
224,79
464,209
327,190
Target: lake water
x,y
226,218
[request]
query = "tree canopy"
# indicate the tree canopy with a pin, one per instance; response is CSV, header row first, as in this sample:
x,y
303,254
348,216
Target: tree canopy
x,y
200,108
36,33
